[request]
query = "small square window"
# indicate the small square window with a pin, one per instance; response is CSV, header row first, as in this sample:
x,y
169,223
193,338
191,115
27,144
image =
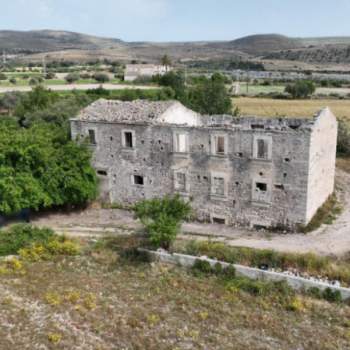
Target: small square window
x,y
260,186
92,136
138,180
128,139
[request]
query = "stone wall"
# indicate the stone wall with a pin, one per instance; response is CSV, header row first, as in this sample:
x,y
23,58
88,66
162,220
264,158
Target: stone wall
x,y
297,283
323,147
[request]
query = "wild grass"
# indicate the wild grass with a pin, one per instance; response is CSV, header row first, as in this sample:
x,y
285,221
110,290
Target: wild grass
x,y
334,269
326,214
88,303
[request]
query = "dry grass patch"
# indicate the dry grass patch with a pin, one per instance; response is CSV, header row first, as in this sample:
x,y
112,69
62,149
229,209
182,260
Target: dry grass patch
x,y
292,108
87,303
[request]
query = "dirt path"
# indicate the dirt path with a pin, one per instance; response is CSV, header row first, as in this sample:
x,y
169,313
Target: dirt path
x,y
328,240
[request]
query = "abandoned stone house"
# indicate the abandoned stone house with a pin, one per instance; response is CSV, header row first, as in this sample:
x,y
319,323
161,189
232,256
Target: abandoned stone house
x,y
134,71
249,171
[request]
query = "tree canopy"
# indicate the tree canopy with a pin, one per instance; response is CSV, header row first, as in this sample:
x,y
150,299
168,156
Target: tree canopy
x,y
301,89
40,167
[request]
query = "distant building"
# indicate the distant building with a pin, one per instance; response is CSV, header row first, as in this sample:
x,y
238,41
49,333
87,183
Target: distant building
x,y
249,171
134,71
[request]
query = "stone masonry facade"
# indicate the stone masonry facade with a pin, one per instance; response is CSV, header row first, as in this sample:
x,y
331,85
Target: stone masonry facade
x,y
245,171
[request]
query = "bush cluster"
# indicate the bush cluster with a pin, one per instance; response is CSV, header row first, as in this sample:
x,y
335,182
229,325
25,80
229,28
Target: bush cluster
x,y
162,218
22,235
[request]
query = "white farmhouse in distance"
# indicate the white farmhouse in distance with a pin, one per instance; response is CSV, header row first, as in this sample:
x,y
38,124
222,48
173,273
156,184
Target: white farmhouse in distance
x,y
134,71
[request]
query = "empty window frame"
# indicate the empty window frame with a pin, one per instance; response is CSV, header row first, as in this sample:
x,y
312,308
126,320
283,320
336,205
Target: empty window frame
x,y
180,143
128,139
218,186
262,149
92,137
261,187
138,180
180,182
261,192
219,144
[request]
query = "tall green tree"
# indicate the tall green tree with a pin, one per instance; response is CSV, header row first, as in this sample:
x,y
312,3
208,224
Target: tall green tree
x,y
166,61
210,96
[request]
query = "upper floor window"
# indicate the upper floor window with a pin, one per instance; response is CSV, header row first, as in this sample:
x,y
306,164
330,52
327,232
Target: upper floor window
x,y
92,136
180,143
262,147
219,145
128,139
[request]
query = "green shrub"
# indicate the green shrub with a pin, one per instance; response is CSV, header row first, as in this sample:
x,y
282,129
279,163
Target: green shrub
x,y
314,292
72,78
333,296
202,266
162,218
301,89
229,272
21,236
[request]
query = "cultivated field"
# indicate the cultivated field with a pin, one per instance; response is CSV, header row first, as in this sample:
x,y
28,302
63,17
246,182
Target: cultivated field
x,y
293,108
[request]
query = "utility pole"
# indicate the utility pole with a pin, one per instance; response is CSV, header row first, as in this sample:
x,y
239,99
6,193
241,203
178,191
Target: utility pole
x,y
3,57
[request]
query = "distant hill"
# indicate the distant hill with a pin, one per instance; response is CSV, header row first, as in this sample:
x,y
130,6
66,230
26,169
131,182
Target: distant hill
x,y
264,43
50,40
272,47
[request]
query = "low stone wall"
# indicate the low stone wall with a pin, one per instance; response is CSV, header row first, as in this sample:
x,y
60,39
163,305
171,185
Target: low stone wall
x,y
297,283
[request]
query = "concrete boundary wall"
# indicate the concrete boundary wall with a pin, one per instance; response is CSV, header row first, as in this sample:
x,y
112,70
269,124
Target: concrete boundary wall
x,y
297,283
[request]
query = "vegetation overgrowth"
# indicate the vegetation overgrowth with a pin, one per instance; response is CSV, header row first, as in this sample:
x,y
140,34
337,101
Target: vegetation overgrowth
x,y
311,264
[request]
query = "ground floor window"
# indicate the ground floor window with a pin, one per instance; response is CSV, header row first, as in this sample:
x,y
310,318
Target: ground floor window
x,y
138,180
180,182
220,221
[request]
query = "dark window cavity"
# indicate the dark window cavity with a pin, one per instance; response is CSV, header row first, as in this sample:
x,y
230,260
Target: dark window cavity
x,y
261,186
138,180
92,136
128,139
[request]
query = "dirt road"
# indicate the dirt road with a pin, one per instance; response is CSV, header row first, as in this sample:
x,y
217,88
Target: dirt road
x,y
328,240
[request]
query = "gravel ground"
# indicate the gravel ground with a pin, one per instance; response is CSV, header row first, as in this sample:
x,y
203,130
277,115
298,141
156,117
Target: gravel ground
x,y
328,240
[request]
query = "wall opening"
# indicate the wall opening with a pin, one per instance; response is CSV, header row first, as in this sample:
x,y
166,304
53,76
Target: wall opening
x,y
92,136
220,144
138,180
262,149
181,143
102,172
261,186
219,221
128,139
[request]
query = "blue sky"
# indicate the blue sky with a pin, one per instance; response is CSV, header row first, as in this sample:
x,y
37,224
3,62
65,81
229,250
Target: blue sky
x,y
180,20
